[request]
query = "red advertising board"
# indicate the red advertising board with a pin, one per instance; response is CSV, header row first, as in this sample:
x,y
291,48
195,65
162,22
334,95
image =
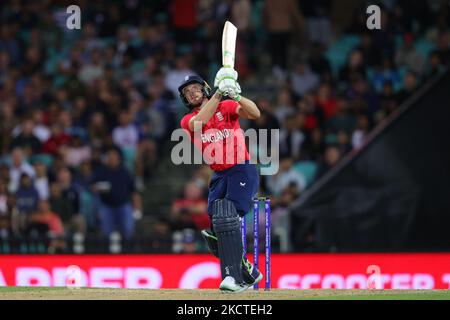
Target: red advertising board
x,y
289,271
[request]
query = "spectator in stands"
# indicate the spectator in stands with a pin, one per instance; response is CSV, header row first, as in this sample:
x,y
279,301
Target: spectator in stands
x,y
317,61
26,195
75,152
410,84
88,207
331,158
177,74
57,139
67,126
284,106
63,102
92,71
189,241
70,192
61,205
5,62
202,176
443,47
303,79
360,132
192,206
386,72
435,66
285,176
48,222
74,86
281,18
18,167
314,116
326,101
267,120
115,187
344,119
292,136
355,67
152,42
343,141
97,129
41,181
408,57
8,121
126,137
26,139
81,113
314,145
83,176
8,212
40,130
370,55
161,237
143,78
4,174
184,21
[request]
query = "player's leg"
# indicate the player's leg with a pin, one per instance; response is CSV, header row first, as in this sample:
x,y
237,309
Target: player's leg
x,y
227,227
242,186
250,275
217,190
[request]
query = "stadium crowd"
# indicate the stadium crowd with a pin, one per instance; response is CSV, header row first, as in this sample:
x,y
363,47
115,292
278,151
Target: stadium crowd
x,y
86,114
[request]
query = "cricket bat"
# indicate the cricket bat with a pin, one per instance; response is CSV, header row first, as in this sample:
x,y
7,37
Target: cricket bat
x,y
228,44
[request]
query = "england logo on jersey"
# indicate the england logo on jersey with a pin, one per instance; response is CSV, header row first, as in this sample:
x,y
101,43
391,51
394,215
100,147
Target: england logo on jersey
x,y
219,116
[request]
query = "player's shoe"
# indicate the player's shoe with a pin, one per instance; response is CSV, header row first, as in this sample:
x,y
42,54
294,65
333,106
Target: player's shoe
x,y
250,273
229,285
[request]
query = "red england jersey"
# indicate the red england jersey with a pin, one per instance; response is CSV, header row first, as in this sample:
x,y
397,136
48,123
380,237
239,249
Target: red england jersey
x,y
221,140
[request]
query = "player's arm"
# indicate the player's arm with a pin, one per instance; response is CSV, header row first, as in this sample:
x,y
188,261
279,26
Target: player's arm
x,y
205,113
247,109
226,81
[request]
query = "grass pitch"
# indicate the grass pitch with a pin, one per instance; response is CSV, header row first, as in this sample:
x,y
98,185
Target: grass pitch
x,y
59,293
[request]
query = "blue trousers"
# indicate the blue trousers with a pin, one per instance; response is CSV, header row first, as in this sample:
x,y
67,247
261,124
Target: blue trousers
x,y
238,184
117,219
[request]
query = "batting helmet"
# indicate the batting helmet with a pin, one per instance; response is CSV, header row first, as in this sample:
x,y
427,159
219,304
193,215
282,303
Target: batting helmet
x,y
190,80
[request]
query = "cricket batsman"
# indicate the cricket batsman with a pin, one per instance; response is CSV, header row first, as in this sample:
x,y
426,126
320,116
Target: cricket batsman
x,y
212,123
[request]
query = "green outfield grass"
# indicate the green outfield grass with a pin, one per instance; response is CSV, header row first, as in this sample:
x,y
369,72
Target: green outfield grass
x,y
61,293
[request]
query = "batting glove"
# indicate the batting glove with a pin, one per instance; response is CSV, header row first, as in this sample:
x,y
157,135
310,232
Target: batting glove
x,y
230,88
235,92
225,73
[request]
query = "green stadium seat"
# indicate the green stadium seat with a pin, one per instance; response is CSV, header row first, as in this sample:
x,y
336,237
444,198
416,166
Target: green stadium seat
x,y
424,47
129,155
338,52
308,169
43,158
87,206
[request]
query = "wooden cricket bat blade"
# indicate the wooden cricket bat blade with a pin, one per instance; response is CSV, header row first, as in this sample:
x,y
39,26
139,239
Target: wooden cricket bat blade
x,y
228,44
